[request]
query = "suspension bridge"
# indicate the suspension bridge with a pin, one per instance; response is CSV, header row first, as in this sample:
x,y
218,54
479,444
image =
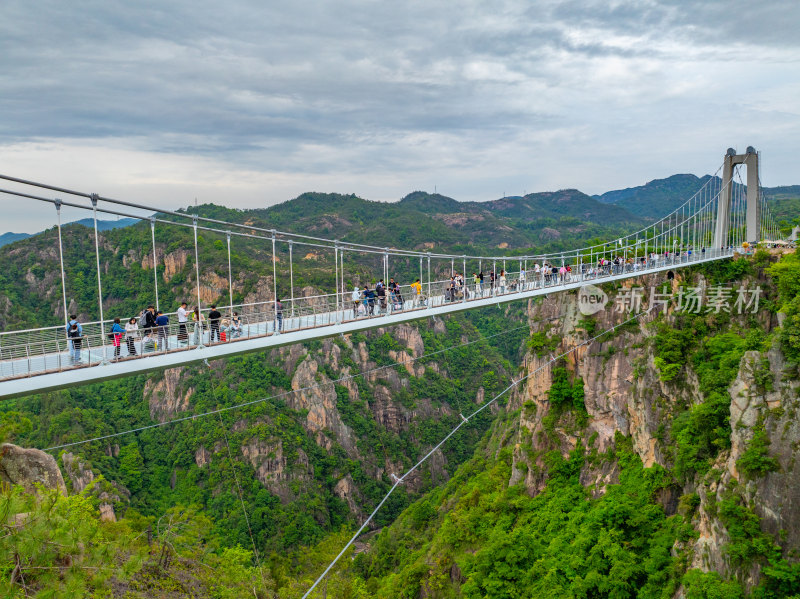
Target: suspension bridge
x,y
721,219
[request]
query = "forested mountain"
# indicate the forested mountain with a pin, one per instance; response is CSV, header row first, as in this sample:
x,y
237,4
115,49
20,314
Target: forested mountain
x,y
31,294
661,196
656,198
657,461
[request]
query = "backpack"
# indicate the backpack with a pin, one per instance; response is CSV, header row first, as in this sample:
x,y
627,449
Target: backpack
x,y
143,319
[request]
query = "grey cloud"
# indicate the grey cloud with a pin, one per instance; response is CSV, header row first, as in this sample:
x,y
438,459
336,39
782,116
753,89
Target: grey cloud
x,y
373,86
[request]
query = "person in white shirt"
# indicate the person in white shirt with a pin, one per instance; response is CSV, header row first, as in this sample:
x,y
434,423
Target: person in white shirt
x,y
356,297
183,317
131,331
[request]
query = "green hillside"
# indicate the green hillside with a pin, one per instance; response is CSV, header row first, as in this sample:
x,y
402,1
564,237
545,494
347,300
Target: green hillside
x,y
536,223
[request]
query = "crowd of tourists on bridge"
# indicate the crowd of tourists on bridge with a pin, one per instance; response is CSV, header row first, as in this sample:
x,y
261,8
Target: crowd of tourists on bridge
x,y
153,331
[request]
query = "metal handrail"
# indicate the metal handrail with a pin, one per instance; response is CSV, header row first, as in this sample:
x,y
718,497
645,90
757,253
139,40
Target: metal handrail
x,y
52,351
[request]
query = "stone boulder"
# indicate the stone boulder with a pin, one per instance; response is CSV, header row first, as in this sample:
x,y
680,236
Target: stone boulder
x,y
27,467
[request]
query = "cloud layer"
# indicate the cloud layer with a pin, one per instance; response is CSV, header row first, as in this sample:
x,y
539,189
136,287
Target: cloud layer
x,y
251,103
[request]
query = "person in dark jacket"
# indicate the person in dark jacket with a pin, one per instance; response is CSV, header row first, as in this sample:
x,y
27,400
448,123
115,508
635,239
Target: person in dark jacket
x,y
278,316
369,296
149,320
162,322
214,317
380,291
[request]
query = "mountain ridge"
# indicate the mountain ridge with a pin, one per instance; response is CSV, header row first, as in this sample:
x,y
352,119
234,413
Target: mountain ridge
x,y
102,225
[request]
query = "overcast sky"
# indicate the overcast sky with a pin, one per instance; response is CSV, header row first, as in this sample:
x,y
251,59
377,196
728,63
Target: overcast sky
x,y
252,103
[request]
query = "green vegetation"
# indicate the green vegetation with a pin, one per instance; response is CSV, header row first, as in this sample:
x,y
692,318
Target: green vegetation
x,y
755,460
542,344
57,548
480,533
703,430
787,277
161,467
501,542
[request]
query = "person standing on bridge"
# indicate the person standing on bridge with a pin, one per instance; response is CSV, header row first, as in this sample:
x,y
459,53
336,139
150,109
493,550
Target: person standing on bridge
x,y
74,334
131,330
162,322
278,316
356,299
380,291
117,333
416,286
73,322
183,318
148,320
369,300
214,316
199,325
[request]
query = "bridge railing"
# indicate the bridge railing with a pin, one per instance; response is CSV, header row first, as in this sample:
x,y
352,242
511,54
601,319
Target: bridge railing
x,y
36,351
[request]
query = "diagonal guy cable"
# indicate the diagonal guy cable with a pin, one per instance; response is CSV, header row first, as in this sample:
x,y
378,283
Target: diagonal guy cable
x,y
286,393
464,420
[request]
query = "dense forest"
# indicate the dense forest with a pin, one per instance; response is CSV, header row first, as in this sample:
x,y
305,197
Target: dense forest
x,y
534,501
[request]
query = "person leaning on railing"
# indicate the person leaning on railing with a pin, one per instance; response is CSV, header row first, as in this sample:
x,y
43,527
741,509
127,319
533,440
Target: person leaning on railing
x,y
236,326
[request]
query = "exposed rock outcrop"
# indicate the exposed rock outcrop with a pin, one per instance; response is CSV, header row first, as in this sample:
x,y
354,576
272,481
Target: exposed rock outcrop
x,y
275,469
320,401
29,467
347,491
83,480
623,393
167,396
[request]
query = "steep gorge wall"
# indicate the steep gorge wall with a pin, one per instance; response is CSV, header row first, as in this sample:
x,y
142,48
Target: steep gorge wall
x,y
624,394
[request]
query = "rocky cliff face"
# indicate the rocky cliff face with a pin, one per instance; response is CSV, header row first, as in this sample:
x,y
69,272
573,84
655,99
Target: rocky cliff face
x,y
83,480
624,394
336,417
